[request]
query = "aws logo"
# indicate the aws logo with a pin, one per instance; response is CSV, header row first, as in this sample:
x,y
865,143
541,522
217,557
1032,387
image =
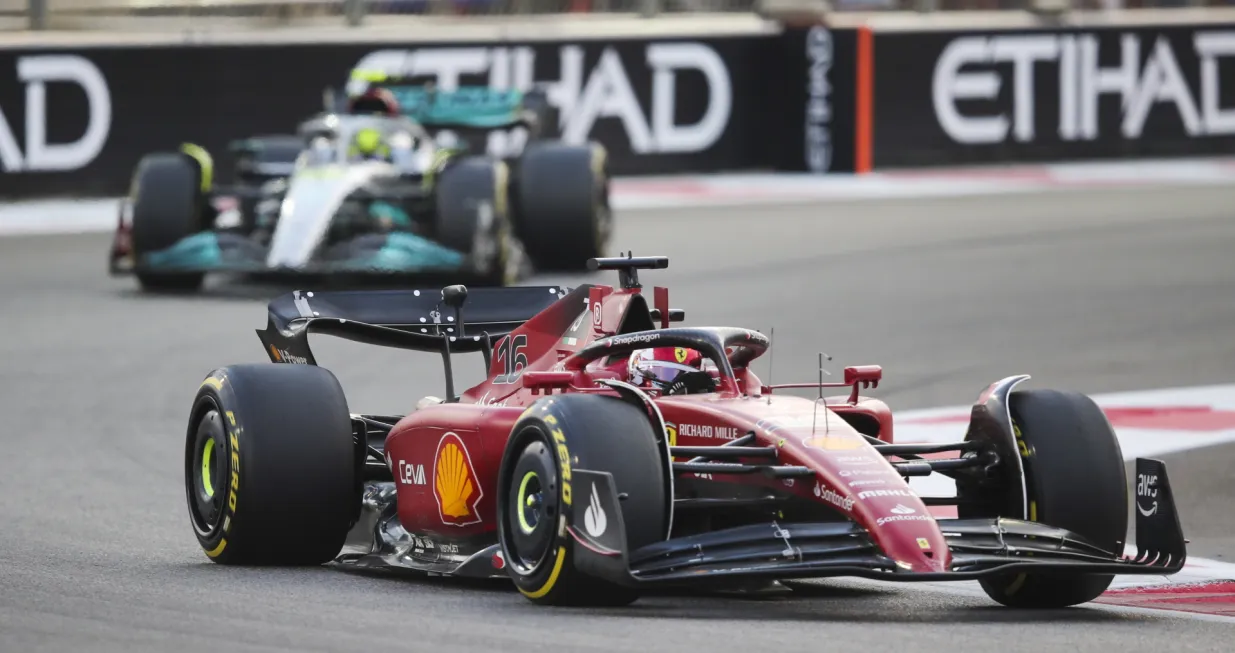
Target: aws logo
x,y
455,485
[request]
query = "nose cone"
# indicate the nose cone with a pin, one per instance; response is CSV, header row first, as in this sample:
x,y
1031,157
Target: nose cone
x,y
854,478
863,483
906,530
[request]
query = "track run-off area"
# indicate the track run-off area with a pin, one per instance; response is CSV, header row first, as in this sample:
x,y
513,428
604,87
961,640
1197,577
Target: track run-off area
x,y
1116,282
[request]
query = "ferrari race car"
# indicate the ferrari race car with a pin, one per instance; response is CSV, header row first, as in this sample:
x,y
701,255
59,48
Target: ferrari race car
x,y
588,474
370,191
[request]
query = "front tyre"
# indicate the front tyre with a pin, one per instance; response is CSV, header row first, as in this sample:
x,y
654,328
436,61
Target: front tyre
x,y
1075,479
270,465
535,493
167,207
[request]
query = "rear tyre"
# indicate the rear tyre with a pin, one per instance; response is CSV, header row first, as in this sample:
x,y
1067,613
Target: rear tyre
x,y
1075,479
473,217
561,202
585,432
270,466
166,208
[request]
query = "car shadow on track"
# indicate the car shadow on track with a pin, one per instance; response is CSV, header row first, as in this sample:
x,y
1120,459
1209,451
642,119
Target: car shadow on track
x,y
795,602
815,602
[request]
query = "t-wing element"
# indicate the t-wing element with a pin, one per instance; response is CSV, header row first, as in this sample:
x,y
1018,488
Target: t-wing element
x,y
627,267
455,296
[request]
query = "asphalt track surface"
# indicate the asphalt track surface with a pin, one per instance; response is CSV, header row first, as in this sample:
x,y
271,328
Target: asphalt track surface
x,y
1096,291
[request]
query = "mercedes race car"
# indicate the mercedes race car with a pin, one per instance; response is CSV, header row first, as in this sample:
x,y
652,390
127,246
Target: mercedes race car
x,y
370,192
589,472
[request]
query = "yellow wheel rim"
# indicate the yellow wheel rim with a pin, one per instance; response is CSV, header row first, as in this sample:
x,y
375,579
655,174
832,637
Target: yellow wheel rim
x,y
207,458
525,502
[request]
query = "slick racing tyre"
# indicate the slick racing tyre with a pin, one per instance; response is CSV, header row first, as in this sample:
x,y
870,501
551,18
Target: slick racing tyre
x,y
167,207
1075,479
561,204
568,432
270,466
473,217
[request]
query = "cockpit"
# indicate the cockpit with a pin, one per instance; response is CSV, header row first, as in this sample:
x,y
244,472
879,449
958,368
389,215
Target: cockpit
x,y
341,139
672,361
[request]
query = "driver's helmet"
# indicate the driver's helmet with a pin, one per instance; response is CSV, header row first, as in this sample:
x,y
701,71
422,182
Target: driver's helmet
x,y
374,101
368,144
662,365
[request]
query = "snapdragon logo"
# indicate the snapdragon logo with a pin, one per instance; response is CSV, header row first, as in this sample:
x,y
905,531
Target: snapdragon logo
x,y
584,96
1073,58
35,72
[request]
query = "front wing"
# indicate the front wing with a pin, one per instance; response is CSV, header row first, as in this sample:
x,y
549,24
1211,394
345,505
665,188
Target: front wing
x,y
394,253
980,547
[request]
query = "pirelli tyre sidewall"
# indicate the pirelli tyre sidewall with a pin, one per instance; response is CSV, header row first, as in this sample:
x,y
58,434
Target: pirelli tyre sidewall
x,y
553,437
1075,478
269,452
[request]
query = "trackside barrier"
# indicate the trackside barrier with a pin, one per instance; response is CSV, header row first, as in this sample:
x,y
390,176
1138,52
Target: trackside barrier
x,y
1024,95
797,95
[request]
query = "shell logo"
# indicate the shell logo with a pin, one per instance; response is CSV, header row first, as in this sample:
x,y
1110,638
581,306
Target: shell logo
x,y
833,442
455,485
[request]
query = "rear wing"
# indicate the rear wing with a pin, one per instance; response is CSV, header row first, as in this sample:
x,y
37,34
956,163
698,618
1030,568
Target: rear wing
x,y
473,107
418,320
467,107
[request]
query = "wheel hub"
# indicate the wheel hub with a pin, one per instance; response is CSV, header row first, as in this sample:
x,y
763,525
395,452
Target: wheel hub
x,y
208,469
533,506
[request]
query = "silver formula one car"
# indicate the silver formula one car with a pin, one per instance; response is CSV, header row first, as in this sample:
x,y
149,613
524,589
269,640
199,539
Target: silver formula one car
x,y
407,205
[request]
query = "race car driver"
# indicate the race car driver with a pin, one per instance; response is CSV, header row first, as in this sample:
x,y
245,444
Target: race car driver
x,y
368,144
675,370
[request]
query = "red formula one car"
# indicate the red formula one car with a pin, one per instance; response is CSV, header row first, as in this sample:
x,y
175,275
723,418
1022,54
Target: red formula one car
x,y
608,452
